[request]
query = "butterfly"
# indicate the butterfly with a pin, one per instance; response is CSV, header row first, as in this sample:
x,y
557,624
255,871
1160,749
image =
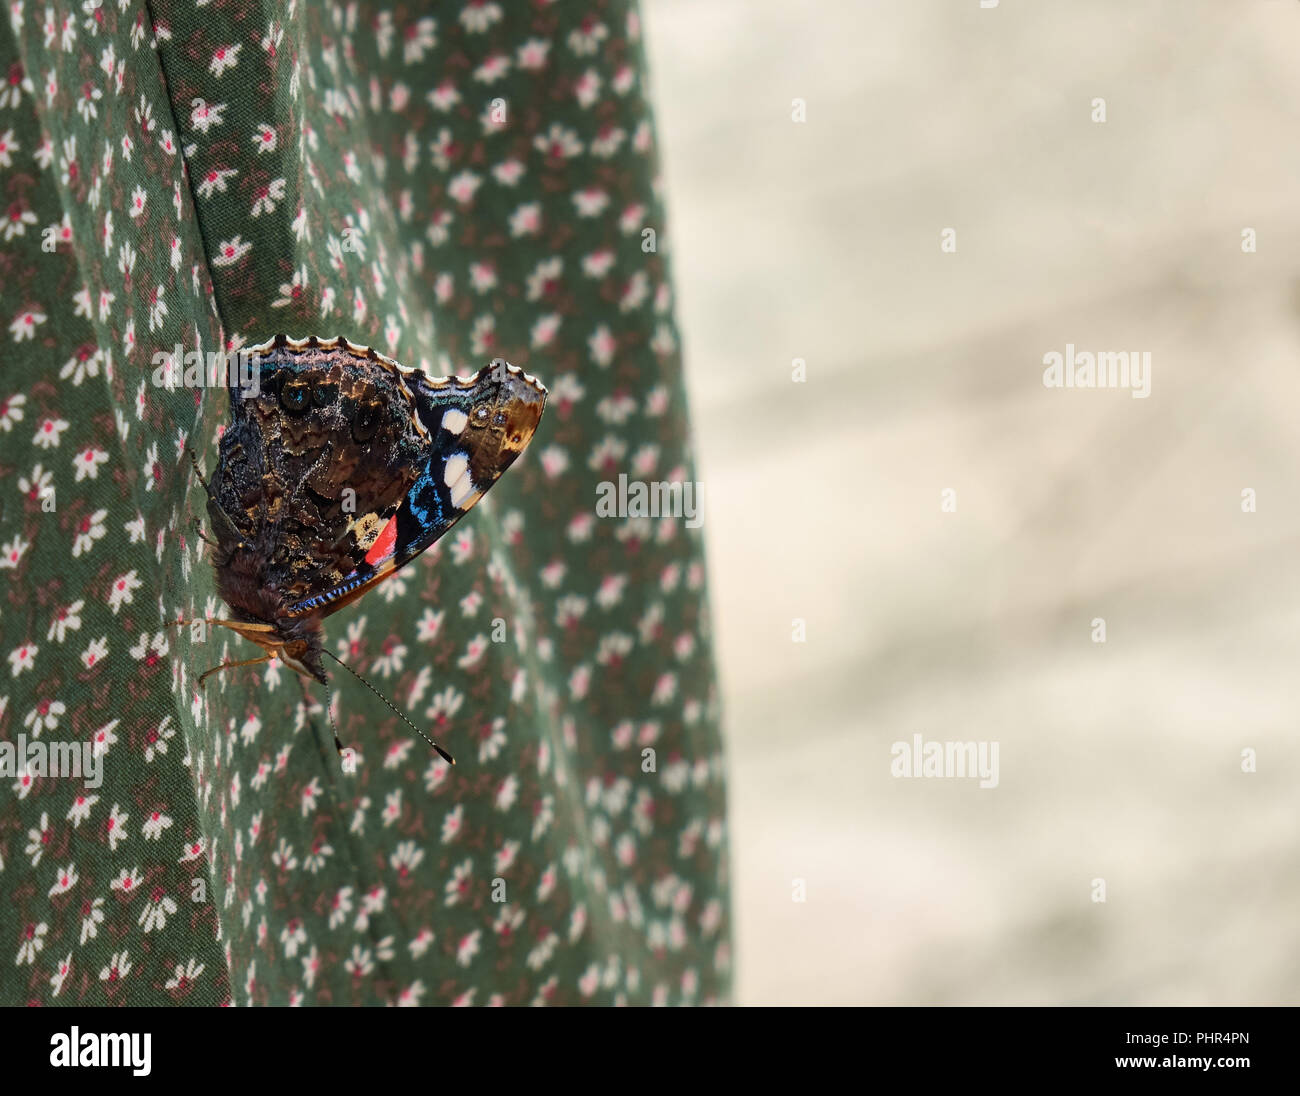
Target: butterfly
x,y
338,468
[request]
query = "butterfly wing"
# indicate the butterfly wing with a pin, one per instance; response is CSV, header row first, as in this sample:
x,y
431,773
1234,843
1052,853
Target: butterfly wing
x,y
315,465
476,428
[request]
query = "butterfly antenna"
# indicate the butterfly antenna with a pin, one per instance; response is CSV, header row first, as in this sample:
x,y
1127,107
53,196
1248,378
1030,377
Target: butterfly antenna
x,y
394,709
329,711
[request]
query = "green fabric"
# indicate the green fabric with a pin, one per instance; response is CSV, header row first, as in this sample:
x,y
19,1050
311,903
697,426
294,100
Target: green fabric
x,y
447,183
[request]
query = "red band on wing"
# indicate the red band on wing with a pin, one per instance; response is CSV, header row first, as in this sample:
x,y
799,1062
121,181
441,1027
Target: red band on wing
x,y
384,544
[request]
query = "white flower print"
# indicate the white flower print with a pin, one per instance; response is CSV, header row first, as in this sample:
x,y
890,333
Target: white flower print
x,y
444,97
203,117
79,812
214,181
590,201
11,411
24,325
493,69
160,906
585,39
84,363
95,653
92,916
65,619
86,107
183,976
15,224
64,879
117,968
60,974
418,39
229,252
223,58
265,139
87,464
12,552
478,15
44,717
509,172
23,658
31,941
558,143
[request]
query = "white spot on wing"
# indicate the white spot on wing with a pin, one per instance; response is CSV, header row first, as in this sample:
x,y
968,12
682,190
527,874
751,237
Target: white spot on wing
x,y
457,465
462,490
454,421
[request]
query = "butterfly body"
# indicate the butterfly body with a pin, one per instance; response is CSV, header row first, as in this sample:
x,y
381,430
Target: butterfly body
x,y
338,468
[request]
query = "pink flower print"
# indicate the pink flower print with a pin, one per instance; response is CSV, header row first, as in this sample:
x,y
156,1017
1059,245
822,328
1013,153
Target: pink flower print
x,y
508,172
526,220
463,186
531,56
587,89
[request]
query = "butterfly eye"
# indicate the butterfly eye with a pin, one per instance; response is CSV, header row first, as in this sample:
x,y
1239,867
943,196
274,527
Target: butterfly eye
x,y
366,422
295,397
324,394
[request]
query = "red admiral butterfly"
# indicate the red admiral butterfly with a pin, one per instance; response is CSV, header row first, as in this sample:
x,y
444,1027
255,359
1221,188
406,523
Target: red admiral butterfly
x,y
340,469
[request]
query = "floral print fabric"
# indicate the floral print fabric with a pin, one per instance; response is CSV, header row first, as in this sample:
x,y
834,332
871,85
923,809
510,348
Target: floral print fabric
x,y
447,183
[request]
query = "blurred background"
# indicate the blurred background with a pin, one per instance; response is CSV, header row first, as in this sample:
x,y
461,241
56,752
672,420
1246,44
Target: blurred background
x,y
1120,760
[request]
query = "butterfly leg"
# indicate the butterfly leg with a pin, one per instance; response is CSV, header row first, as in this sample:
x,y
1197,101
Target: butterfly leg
x,y
198,529
225,527
230,666
233,625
